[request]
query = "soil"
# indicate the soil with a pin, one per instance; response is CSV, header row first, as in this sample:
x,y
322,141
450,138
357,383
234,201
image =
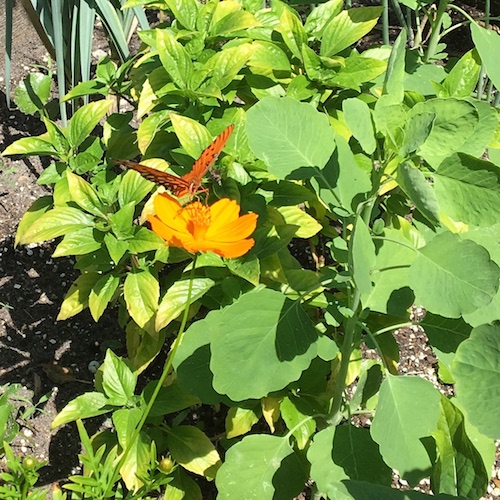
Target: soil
x,y
33,285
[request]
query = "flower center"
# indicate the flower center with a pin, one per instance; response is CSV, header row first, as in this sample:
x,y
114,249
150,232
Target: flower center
x,y
199,219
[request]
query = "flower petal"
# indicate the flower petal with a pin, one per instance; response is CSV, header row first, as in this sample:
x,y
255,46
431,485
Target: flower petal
x,y
161,229
229,250
170,212
236,230
223,212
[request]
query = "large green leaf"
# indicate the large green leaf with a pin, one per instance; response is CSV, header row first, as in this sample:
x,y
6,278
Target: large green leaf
x,y
238,20
185,12
56,222
259,344
395,75
118,380
101,294
462,79
40,145
289,135
348,27
454,123
341,182
468,189
34,212
175,300
79,242
356,70
407,411
487,43
77,298
459,470
142,291
260,467
487,237
476,370
133,187
320,15
345,452
442,280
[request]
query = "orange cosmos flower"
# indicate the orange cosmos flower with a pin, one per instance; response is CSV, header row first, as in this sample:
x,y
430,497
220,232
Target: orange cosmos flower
x,y
200,228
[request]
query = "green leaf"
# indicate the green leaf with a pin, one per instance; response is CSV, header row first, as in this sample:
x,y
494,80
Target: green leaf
x,y
417,129
170,399
246,267
235,21
459,470
133,188
395,75
150,127
419,190
226,64
488,238
454,124
84,194
34,212
462,79
292,31
142,347
268,59
174,301
259,344
33,93
85,120
144,241
79,242
358,117
345,452
174,58
31,146
185,11
307,225
267,467
468,189
192,364
445,335
118,380
239,421
487,43
289,135
476,371
192,449
320,15
88,405
77,298
362,256
101,294
341,181
293,413
141,291
442,280
193,136
56,222
357,69
348,27
407,411
116,247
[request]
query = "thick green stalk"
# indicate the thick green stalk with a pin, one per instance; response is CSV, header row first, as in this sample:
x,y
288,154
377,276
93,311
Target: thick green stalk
x,y
436,30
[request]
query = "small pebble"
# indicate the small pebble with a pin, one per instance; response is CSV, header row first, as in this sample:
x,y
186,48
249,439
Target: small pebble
x,y
17,286
53,341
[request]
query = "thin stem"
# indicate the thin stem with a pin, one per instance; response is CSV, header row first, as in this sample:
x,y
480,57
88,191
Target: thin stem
x,y
395,241
385,22
166,369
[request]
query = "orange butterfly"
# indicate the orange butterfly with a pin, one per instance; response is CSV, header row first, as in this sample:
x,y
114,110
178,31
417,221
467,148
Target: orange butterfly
x,y
190,183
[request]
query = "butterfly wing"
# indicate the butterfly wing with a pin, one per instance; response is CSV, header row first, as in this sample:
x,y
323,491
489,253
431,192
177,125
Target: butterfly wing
x,y
177,185
208,157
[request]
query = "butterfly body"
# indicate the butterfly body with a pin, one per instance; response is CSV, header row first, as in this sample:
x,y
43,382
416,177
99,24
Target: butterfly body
x,y
190,183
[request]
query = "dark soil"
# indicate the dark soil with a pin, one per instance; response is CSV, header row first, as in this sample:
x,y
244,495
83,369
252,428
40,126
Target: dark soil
x,y
33,285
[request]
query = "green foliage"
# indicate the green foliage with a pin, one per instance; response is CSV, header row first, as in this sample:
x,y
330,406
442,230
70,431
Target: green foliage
x,y
379,176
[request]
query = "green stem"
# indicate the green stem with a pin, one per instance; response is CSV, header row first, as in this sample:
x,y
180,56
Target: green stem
x,y
166,369
436,28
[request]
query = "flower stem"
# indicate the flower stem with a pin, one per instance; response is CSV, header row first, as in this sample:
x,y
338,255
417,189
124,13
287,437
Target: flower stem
x,y
166,369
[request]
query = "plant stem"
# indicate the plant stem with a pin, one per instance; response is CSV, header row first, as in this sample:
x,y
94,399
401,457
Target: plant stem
x,y
436,28
166,369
